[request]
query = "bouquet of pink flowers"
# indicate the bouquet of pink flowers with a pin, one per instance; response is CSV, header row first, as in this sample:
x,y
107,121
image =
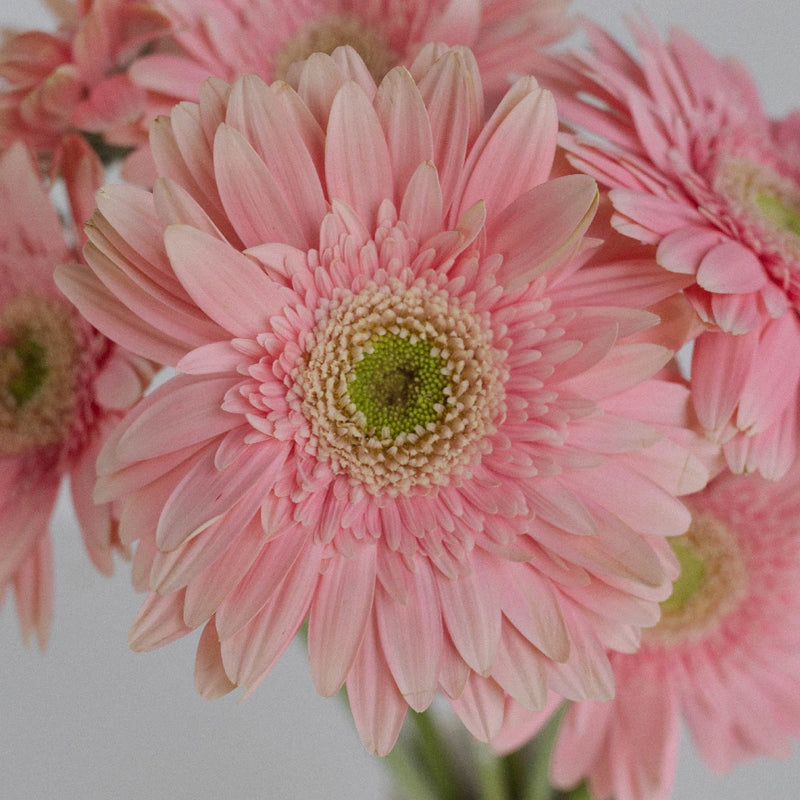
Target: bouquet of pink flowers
x,y
478,349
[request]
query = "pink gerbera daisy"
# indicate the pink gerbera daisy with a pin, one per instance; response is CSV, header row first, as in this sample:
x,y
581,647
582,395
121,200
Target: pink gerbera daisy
x,y
265,37
62,387
698,170
390,418
725,656
76,79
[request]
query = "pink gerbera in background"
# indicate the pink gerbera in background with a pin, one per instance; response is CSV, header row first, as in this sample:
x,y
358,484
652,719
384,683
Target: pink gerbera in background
x,y
725,656
54,84
391,415
62,387
698,170
266,37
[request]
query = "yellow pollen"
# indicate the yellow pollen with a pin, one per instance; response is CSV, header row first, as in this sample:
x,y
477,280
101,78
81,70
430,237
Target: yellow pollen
x,y
326,34
38,357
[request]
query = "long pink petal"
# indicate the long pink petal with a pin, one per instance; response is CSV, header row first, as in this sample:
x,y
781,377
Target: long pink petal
x,y
542,227
525,123
411,636
471,610
184,411
254,200
252,652
210,679
378,707
358,168
227,285
339,616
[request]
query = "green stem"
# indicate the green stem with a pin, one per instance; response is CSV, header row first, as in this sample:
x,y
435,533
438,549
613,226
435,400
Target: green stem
x,y
537,786
409,775
492,774
423,750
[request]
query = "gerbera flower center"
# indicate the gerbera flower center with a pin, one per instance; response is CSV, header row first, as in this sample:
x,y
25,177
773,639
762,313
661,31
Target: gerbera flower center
x,y
401,387
332,31
398,385
765,203
38,358
711,583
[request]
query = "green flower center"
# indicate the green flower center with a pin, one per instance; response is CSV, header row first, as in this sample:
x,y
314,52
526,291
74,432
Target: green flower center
x,y
25,368
401,387
398,385
689,582
780,213
712,582
38,362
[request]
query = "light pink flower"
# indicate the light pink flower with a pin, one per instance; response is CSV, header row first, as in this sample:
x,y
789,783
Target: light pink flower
x,y
391,417
76,79
725,657
62,387
697,170
265,37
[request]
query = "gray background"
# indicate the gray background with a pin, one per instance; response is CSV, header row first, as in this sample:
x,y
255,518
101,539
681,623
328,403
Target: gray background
x,y
90,719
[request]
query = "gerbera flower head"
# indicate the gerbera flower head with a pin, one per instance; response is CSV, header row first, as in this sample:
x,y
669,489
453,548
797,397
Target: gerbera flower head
x,y
696,169
76,79
723,657
62,386
267,37
389,417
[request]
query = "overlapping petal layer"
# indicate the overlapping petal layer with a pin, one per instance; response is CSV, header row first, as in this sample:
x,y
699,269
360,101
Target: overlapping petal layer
x,y
393,417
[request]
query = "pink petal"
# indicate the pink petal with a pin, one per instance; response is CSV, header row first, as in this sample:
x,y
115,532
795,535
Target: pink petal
x,y
209,588
682,250
525,123
542,228
254,200
404,118
104,311
358,167
530,604
519,669
182,412
210,679
339,616
452,92
159,622
720,365
411,636
471,611
730,268
205,493
227,285
256,588
378,707
290,143
480,707
772,382
251,653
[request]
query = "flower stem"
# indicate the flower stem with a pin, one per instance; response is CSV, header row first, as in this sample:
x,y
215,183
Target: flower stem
x,y
537,784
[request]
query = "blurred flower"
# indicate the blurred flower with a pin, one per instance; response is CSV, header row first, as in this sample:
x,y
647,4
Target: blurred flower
x,y
725,656
698,170
265,37
77,79
390,417
62,387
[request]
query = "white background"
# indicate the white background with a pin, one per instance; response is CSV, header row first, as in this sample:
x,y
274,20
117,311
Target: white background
x,y
90,719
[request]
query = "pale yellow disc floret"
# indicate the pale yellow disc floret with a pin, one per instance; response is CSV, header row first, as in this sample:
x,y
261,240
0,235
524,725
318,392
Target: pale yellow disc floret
x,y
326,34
